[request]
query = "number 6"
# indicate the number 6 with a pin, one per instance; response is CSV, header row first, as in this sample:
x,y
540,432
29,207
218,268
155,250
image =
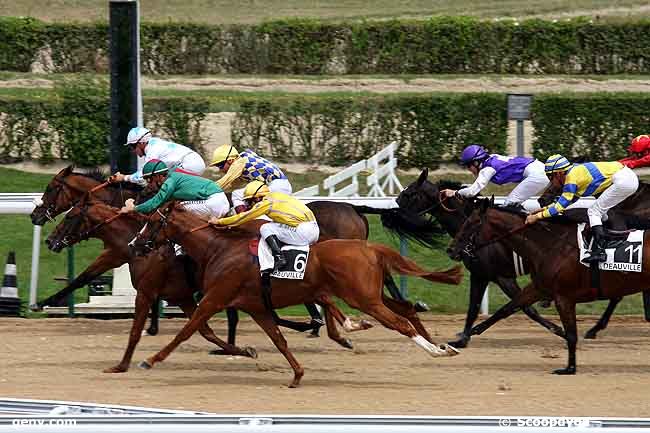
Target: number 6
x,y
300,263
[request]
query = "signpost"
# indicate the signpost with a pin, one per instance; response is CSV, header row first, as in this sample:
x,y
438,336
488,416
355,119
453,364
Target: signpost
x,y
519,110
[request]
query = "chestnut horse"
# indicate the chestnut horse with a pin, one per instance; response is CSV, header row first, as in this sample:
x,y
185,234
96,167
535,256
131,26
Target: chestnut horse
x,y
551,248
353,270
159,274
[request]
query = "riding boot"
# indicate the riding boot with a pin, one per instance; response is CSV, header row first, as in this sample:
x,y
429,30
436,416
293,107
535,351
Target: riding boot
x,y
598,243
274,244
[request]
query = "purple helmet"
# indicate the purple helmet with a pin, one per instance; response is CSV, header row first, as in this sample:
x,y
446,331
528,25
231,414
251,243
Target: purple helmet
x,y
471,153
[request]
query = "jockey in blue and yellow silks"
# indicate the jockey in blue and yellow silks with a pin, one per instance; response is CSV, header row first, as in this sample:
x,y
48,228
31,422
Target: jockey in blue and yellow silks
x,y
610,182
249,166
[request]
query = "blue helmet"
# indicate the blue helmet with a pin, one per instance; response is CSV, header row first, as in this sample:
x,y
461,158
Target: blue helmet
x,y
136,135
473,152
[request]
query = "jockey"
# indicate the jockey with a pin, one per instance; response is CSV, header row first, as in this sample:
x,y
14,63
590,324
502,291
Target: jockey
x,y
498,169
145,145
199,195
611,182
248,166
639,151
293,222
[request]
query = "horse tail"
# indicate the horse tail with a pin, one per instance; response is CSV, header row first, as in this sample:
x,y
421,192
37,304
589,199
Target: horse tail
x,y
393,261
408,225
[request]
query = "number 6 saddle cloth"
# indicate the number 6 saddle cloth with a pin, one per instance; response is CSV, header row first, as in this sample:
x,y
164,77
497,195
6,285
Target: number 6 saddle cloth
x,y
622,255
297,257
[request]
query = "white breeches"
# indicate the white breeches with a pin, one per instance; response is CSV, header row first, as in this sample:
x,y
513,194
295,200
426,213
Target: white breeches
x,y
277,185
303,234
624,183
534,182
214,206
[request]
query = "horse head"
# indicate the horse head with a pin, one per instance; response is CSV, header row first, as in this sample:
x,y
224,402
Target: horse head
x,y
464,244
55,200
70,231
156,231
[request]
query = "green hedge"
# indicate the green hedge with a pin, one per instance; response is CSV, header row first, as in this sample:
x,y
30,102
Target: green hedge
x,y
597,126
438,45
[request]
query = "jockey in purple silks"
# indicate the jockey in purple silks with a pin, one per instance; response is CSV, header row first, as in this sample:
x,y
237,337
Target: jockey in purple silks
x,y
527,172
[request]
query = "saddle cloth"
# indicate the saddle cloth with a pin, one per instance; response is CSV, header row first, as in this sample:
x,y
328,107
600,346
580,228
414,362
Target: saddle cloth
x,y
297,257
627,256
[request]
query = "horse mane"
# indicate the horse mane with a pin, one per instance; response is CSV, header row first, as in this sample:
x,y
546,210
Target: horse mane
x,y
449,184
101,176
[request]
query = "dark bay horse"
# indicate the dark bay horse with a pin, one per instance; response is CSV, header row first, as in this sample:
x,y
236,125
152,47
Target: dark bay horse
x,y
635,207
352,270
159,274
551,249
495,263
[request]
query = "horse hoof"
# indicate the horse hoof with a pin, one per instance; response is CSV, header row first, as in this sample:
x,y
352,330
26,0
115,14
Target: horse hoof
x,y
565,371
145,365
459,344
345,342
250,352
35,308
116,369
450,350
420,307
152,331
590,335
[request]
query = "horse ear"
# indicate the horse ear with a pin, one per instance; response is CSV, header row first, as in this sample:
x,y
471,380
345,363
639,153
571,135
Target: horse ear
x,y
423,176
68,170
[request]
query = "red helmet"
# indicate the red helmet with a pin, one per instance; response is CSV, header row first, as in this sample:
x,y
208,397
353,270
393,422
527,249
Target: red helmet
x,y
640,144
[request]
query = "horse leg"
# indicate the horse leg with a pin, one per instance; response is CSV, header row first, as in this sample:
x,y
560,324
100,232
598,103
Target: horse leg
x,y
398,323
476,292
188,307
646,304
511,289
332,330
348,324
296,326
201,315
389,282
233,320
604,320
267,323
407,310
527,296
316,320
142,305
155,317
567,309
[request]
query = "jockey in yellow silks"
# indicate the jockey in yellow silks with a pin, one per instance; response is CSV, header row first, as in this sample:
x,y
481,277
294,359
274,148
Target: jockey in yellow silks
x,y
610,182
293,223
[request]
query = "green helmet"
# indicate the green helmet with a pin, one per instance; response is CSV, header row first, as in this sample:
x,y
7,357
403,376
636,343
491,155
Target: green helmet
x,y
154,166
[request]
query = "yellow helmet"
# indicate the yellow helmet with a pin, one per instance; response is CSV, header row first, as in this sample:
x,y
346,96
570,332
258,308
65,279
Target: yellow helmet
x,y
255,189
224,153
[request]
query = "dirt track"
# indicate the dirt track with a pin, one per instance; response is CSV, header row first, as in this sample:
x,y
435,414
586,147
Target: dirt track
x,y
504,372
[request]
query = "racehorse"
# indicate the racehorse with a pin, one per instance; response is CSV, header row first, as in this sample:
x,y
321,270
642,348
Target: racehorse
x,y
632,208
495,263
336,220
551,249
160,274
353,270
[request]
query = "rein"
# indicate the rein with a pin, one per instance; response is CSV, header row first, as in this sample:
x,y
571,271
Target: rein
x,y
500,238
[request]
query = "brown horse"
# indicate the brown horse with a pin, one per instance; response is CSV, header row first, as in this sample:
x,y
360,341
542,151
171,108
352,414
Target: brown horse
x,y
551,248
159,274
353,270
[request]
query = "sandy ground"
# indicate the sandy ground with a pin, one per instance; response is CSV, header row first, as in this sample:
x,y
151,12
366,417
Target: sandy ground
x,y
506,371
